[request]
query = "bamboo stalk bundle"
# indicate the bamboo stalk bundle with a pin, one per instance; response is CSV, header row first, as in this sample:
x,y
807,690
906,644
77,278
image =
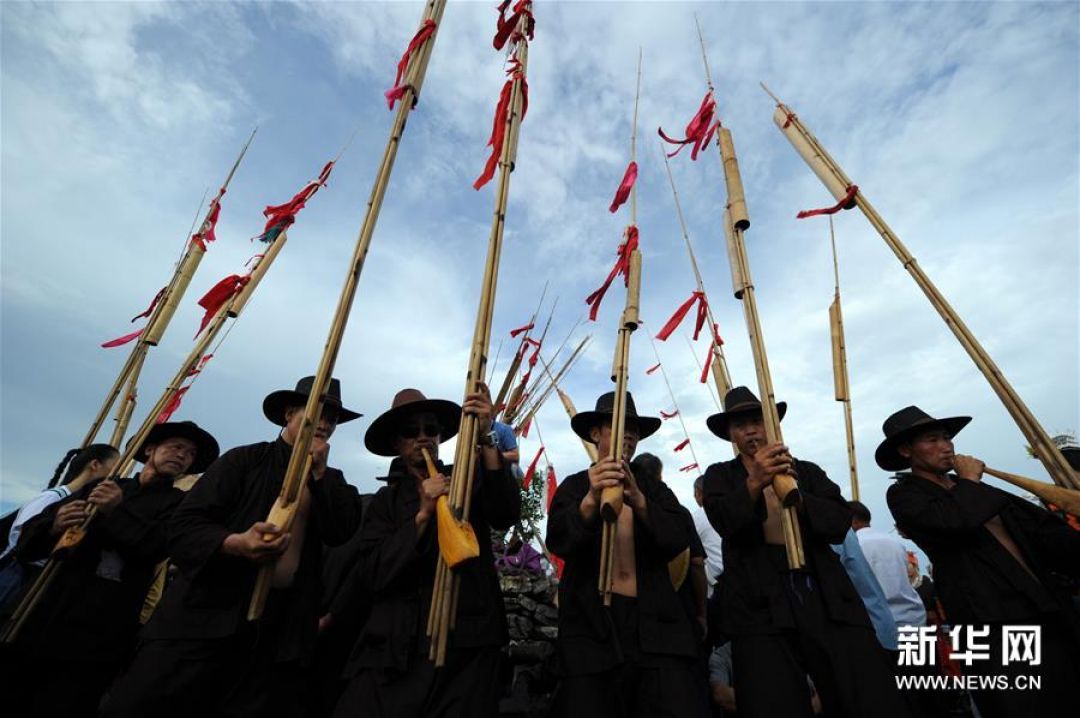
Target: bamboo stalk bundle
x,y
515,363
524,389
535,406
441,618
536,395
126,407
849,195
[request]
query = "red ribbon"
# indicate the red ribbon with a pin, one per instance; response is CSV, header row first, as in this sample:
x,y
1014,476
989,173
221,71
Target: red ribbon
x,y
519,330
852,190
395,93
653,368
552,486
622,266
150,309
532,469
220,293
120,341
505,27
524,432
700,129
624,187
683,444
680,314
206,234
716,342
197,369
689,467
666,415
281,217
498,129
791,117
172,406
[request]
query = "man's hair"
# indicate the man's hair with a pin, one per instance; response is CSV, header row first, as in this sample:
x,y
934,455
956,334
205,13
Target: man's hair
x,y
699,483
859,511
647,465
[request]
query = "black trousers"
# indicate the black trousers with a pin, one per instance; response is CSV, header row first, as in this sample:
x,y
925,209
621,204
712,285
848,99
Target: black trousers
x,y
468,686
216,678
847,665
642,686
54,688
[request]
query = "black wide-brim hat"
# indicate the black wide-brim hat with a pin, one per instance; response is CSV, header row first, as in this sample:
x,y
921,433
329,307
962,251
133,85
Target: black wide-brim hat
x,y
906,424
381,437
739,400
206,451
275,403
584,421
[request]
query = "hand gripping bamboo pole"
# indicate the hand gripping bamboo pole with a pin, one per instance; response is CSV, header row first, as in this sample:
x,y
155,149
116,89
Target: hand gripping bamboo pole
x,y
446,588
846,192
842,388
785,486
299,466
164,309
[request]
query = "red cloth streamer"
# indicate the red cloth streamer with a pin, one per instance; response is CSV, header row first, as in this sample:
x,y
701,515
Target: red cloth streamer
x,y
668,415
791,117
552,486
625,186
150,309
682,444
172,406
197,369
281,217
505,26
524,433
120,341
700,129
689,467
716,342
680,314
396,92
653,368
532,469
519,330
852,190
622,266
206,234
498,128
220,293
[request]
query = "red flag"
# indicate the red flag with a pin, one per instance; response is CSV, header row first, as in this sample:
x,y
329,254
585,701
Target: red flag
x,y
172,406
666,415
683,444
281,217
552,487
206,234
852,190
680,313
699,131
505,27
220,293
524,432
625,186
498,129
653,368
689,467
532,469
514,332
396,92
120,341
150,309
622,266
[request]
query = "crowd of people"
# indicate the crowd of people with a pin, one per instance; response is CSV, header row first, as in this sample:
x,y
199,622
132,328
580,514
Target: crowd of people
x,y
148,614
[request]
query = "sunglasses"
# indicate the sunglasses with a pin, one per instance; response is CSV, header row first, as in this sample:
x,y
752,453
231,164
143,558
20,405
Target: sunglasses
x,y
412,431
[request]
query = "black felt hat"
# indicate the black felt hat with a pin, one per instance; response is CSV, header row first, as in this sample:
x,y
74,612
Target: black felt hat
x,y
738,401
382,435
584,421
206,445
275,403
905,424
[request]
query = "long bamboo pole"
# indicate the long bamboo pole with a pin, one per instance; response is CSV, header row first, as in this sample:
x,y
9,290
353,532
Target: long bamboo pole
x,y
841,186
515,363
542,397
841,384
445,592
523,390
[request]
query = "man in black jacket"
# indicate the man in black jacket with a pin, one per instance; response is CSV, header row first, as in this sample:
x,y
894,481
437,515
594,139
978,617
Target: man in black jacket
x,y
784,624
85,626
999,562
199,655
635,657
389,671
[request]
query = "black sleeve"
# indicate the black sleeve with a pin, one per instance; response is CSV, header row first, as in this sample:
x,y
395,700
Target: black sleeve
x,y
389,550
567,532
36,540
199,524
824,508
500,496
966,507
667,523
137,527
728,504
1057,543
336,507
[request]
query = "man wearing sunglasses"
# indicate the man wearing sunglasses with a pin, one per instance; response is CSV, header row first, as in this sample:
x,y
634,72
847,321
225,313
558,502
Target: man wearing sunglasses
x,y
389,671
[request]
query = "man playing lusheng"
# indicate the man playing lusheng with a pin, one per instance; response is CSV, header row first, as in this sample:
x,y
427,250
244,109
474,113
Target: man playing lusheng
x,y
786,624
636,657
998,562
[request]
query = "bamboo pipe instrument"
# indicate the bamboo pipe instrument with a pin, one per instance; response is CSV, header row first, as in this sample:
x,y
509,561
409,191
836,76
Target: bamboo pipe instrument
x,y
126,408
533,401
534,407
299,462
841,386
838,183
1066,499
515,363
522,391
441,617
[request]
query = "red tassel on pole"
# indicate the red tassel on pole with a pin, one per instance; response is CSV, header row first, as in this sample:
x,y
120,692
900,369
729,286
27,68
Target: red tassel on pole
x,y
682,445
680,313
851,192
120,341
172,406
396,92
669,415
514,332
220,293
689,467
532,468
206,233
622,266
653,368
498,129
623,192
153,303
700,129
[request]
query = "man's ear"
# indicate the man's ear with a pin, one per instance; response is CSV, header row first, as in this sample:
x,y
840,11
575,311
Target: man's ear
x,y
904,450
594,434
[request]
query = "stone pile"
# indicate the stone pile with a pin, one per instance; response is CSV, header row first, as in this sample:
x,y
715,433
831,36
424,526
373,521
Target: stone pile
x,y
532,619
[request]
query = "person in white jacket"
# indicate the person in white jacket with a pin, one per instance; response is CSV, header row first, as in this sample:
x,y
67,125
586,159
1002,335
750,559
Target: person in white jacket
x,y
887,557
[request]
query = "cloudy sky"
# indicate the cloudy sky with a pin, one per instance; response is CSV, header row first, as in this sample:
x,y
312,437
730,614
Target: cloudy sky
x,y
959,121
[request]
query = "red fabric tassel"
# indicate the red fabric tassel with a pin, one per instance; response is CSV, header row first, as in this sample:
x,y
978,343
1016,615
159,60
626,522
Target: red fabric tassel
x,y
653,368
120,341
622,266
680,314
206,233
197,369
666,415
532,469
625,186
281,217
498,128
150,309
514,332
552,486
852,190
220,293
689,467
505,26
525,428
700,129
791,116
396,92
172,406
710,358
682,445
